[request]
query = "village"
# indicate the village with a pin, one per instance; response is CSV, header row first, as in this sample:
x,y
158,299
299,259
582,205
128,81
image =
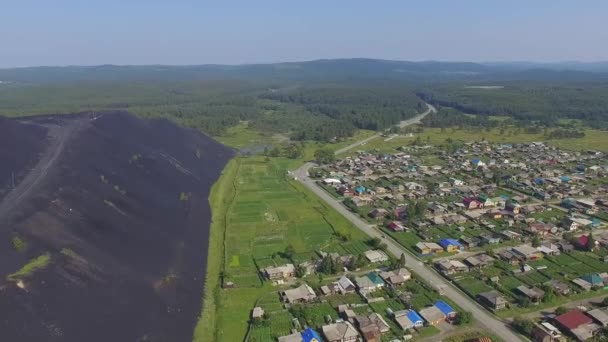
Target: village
x,y
383,303
517,227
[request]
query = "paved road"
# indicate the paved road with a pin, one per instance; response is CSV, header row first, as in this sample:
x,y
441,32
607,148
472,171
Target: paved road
x,y
402,124
487,320
58,136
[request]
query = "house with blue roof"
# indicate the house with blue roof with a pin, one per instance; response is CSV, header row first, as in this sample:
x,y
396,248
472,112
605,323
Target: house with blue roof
x,y
594,279
564,179
477,163
415,318
360,189
446,309
451,245
310,335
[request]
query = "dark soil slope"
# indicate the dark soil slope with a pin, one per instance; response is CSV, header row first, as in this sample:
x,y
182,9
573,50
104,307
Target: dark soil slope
x,y
124,217
20,145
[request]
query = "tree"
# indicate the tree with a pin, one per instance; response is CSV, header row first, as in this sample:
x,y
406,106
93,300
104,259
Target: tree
x,y
374,242
464,318
274,152
590,242
289,252
523,325
325,156
560,310
549,296
402,260
535,241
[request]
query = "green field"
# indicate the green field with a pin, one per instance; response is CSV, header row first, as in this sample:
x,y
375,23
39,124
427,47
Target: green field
x,y
596,140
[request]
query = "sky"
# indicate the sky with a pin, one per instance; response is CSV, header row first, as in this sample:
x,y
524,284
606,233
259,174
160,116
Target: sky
x,y
142,32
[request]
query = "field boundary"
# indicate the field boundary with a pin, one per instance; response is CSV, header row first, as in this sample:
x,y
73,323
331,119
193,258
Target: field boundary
x,y
221,197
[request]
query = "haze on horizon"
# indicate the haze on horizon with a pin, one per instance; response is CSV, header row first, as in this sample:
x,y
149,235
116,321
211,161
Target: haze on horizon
x,y
138,32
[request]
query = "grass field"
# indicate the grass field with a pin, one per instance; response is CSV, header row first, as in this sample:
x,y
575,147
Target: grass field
x,y
597,140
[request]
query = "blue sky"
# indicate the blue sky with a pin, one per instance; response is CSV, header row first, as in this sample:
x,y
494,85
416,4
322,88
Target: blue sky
x,y
70,32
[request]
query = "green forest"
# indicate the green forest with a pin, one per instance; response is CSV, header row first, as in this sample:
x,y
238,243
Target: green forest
x,y
320,108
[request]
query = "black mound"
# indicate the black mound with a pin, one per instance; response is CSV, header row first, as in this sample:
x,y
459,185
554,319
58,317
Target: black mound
x,y
124,215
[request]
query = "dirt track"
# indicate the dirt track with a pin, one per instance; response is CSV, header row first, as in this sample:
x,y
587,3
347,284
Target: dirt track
x,y
58,136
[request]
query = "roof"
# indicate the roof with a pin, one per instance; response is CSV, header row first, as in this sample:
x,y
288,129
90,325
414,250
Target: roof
x,y
593,279
375,278
573,319
345,283
599,315
525,250
339,331
302,292
449,242
295,337
414,317
444,307
310,335
432,314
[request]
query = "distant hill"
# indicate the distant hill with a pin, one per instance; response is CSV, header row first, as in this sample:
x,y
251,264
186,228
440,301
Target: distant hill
x,y
326,69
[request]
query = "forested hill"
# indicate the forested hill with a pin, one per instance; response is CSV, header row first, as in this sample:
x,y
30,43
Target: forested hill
x,y
540,102
319,70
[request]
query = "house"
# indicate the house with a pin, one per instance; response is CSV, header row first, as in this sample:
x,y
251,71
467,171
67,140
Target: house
x,y
513,207
508,256
375,256
257,313
344,286
372,327
534,294
295,337
488,239
396,277
526,252
594,279
582,284
346,191
446,309
378,213
451,266
546,332
472,203
486,201
479,261
470,242
576,323
340,332
583,241
477,163
369,282
600,316
396,226
432,315
456,182
548,248
301,294
426,248
281,272
492,299
451,245
408,319
359,190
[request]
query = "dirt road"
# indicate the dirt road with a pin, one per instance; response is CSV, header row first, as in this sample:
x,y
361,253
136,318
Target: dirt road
x,y
402,124
58,136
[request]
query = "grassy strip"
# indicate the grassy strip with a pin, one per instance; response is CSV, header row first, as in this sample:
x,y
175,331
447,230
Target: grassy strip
x,y
32,266
222,194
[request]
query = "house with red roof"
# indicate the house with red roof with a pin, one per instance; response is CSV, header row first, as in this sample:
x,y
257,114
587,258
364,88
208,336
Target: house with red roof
x,y
577,324
472,203
396,226
583,240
